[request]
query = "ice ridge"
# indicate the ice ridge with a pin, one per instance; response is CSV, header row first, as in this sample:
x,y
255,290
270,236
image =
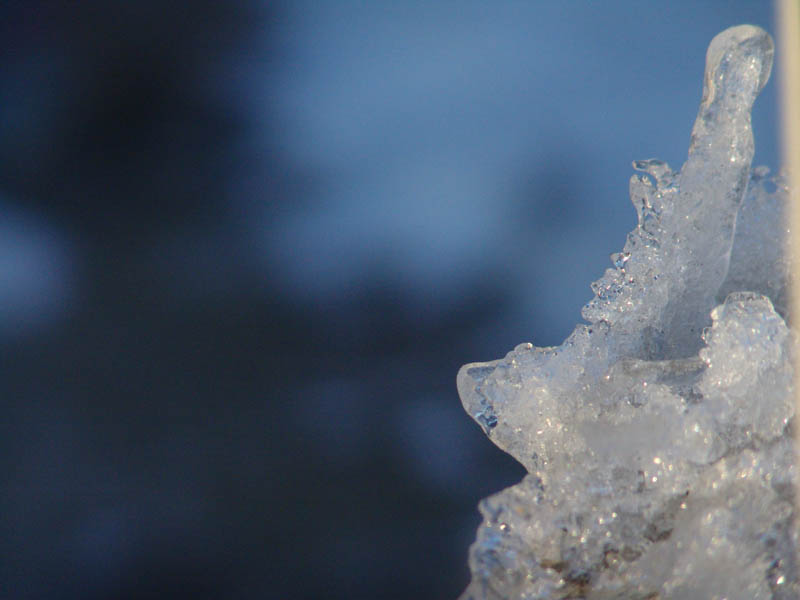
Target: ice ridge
x,y
656,437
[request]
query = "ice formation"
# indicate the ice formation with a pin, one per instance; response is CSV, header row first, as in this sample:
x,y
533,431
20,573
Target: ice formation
x,y
656,437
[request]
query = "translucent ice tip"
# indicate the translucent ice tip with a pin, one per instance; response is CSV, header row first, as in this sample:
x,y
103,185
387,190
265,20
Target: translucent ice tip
x,y
738,63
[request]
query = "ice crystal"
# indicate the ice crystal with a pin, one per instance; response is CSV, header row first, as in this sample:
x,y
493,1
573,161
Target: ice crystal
x,y
656,437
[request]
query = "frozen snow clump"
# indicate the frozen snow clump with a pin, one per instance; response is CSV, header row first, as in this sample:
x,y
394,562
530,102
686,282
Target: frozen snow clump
x,y
656,437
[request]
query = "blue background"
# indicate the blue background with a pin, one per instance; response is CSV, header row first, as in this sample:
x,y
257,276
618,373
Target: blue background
x,y
244,248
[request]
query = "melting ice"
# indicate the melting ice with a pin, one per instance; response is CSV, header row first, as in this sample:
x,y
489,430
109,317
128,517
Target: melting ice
x,y
656,437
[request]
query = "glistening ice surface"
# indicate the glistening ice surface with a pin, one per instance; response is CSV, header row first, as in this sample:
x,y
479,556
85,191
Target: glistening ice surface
x,y
656,437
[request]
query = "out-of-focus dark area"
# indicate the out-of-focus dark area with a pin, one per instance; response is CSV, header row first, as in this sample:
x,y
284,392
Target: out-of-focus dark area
x,y
245,246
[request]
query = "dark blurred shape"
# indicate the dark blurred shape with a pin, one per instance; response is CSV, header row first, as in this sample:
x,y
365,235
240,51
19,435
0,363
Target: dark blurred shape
x,y
181,429
112,124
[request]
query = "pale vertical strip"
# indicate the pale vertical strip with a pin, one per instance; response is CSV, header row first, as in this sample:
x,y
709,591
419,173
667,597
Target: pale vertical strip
x,y
788,16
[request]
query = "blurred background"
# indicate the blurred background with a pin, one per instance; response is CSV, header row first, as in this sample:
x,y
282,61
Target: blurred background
x,y
245,247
